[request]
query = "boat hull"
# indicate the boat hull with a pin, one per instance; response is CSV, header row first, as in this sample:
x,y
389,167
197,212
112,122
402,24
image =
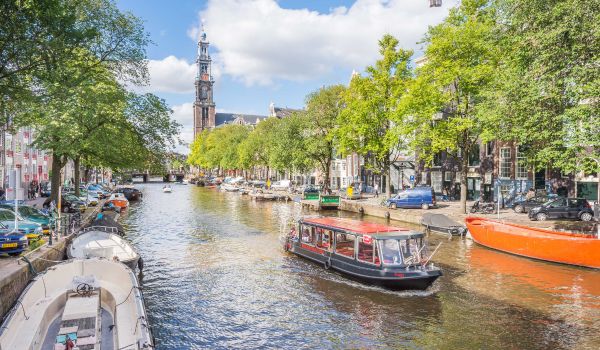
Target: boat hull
x,y
389,278
119,203
559,247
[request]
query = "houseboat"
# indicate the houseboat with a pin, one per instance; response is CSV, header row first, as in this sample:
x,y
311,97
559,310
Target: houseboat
x,y
387,256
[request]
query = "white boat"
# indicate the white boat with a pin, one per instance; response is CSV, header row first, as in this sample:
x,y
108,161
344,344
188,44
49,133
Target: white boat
x,y
167,189
103,242
230,188
96,303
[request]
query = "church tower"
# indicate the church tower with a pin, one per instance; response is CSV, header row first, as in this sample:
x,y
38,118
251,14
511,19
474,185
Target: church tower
x,y
204,106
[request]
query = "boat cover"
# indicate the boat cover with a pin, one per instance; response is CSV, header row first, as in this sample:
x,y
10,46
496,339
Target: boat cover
x,y
438,220
107,219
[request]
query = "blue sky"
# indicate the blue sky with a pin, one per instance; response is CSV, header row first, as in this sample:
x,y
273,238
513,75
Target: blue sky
x,y
270,51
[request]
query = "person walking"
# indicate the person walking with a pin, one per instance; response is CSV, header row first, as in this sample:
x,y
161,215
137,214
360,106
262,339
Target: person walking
x,y
376,187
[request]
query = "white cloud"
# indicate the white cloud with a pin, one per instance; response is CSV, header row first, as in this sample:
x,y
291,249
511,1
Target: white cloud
x,y
184,115
171,74
259,42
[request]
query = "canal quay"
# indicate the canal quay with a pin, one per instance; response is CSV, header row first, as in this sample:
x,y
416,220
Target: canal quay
x,y
216,277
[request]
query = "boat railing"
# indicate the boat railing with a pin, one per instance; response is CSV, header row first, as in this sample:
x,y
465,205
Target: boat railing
x,y
108,229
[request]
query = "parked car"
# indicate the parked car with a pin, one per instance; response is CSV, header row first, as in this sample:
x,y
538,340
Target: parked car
x,y
563,208
355,194
524,205
12,243
31,229
70,203
31,214
418,197
282,185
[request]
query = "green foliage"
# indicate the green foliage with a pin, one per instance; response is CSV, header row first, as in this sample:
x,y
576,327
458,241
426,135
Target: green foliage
x,y
372,104
546,93
256,149
219,147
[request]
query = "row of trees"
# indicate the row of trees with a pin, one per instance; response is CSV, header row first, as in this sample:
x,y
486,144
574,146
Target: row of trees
x,y
512,70
65,66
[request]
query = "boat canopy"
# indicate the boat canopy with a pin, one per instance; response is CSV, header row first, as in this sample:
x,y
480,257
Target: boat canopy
x,y
377,231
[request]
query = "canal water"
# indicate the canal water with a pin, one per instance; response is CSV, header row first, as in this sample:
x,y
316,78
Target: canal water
x,y
216,277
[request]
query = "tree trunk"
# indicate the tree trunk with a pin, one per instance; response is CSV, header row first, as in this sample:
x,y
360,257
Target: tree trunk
x,y
463,183
76,163
55,178
326,176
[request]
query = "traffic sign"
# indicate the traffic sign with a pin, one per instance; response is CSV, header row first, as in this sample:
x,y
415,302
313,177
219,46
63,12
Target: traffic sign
x,y
412,178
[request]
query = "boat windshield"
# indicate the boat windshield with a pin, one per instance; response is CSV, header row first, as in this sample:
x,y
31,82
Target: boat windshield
x,y
400,251
390,251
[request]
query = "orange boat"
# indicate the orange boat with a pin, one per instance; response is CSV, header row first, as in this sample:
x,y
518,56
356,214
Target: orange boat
x,y
118,200
537,243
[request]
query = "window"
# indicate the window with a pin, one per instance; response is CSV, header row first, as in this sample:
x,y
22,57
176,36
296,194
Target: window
x,y
308,235
474,155
344,244
505,163
489,148
367,251
410,249
323,238
436,181
437,159
448,176
522,172
390,251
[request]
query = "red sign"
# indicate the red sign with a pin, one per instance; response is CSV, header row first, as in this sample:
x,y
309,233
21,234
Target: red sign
x,y
367,239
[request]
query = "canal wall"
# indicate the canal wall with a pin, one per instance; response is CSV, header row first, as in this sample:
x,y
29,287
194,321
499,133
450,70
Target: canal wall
x,y
409,216
15,276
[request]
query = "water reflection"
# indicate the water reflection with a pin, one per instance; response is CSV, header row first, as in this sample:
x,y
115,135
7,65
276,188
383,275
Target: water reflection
x,y
216,277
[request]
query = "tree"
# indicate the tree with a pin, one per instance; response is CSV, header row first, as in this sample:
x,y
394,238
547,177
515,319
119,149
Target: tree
x,y
323,109
545,95
441,109
366,124
256,149
288,150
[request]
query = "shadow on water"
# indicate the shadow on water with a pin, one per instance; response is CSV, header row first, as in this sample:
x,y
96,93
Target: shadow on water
x,y
216,277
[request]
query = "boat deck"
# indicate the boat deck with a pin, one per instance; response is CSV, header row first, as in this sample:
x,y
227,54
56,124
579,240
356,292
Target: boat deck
x,y
107,338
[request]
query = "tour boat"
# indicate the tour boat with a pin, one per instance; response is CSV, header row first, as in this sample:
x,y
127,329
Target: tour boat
x,y
560,247
118,200
95,303
167,189
391,257
103,242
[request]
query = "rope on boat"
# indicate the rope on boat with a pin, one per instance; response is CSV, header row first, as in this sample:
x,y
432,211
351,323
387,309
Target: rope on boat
x,y
23,308
31,268
432,254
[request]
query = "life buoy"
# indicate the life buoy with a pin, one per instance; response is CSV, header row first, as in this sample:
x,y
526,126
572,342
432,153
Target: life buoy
x,y
328,264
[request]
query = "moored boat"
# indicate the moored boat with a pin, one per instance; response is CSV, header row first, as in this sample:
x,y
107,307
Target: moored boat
x,y
391,257
560,247
93,302
442,224
118,200
167,189
103,242
230,188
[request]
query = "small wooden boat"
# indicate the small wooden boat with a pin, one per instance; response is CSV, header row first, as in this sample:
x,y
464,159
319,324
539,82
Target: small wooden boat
x,y
442,224
391,257
118,200
103,242
229,188
167,189
95,303
537,243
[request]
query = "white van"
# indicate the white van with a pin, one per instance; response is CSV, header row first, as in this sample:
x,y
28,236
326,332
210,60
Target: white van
x,y
282,185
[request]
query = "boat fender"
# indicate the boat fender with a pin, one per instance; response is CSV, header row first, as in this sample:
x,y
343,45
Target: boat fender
x,y
141,264
328,264
361,210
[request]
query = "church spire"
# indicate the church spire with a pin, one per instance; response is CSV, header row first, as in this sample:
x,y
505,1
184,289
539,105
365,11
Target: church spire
x,y
204,106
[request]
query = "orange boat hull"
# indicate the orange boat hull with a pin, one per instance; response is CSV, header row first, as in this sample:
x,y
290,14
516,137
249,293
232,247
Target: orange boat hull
x,y
559,247
119,203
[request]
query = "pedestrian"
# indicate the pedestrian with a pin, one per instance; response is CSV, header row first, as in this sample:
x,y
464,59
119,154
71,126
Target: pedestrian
x,y
376,187
530,194
69,344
